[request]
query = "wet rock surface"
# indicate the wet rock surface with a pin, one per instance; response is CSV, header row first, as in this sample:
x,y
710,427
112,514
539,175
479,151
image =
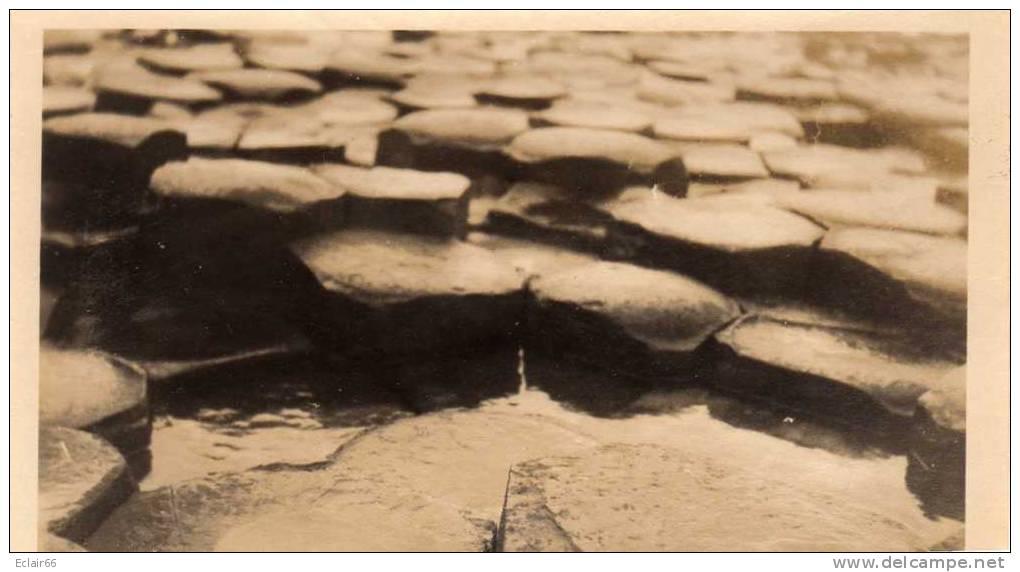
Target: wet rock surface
x,y
345,261
640,322
81,480
684,502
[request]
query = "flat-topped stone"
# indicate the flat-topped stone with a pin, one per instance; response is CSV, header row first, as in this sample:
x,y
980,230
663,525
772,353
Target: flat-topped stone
x,y
73,70
351,107
484,126
87,390
63,100
656,498
522,90
402,199
438,92
122,130
199,57
633,321
786,90
692,128
529,258
82,479
754,117
659,89
722,161
812,163
133,88
596,115
369,65
891,210
280,188
737,246
890,268
844,376
252,83
291,57
407,294
629,149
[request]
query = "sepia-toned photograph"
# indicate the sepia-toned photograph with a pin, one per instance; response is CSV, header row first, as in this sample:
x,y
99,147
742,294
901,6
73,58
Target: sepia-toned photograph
x,y
503,291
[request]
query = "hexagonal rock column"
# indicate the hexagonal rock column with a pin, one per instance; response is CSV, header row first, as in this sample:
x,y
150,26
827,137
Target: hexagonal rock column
x,y
938,441
96,167
839,376
629,320
402,199
81,480
254,200
597,162
97,393
397,294
466,141
648,498
916,280
742,249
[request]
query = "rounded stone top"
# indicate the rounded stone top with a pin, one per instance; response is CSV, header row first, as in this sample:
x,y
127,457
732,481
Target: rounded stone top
x,y
520,86
138,82
124,130
931,261
382,268
596,115
629,149
60,99
663,309
267,185
292,57
260,83
482,125
80,388
193,58
351,107
727,225
894,379
392,183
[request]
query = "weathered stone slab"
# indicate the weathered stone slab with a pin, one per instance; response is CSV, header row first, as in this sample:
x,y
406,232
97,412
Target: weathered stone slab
x,y
891,210
81,480
630,320
351,66
199,57
299,137
351,107
398,294
132,89
71,70
268,186
894,274
720,161
521,90
574,112
93,392
841,376
812,164
755,117
66,100
544,213
788,90
938,456
261,84
402,199
291,57
484,126
652,498
656,88
736,246
597,161
438,92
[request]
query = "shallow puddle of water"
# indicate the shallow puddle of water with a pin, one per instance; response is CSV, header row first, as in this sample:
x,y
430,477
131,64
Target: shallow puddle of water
x,y
302,415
